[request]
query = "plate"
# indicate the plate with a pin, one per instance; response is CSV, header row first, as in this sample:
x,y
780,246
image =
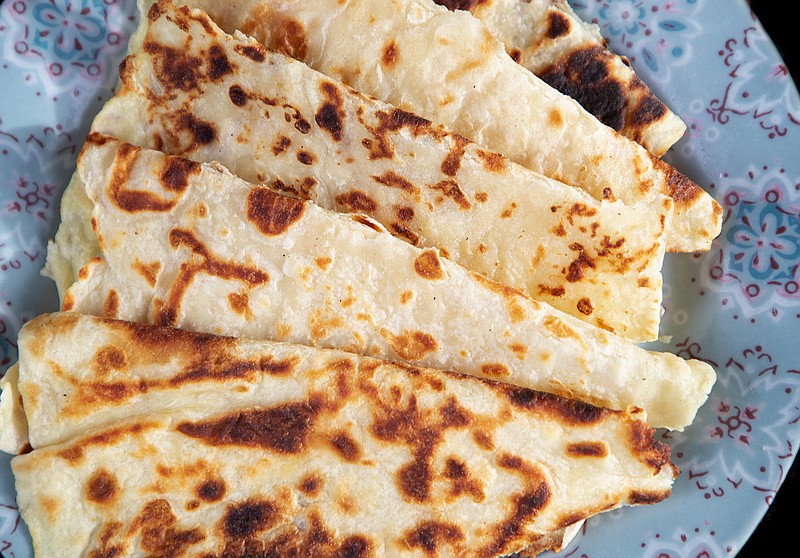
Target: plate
x,y
736,306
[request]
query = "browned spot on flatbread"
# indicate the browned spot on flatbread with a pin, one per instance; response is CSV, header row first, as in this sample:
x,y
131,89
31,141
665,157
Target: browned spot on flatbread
x,y
282,429
111,304
492,162
587,449
576,270
679,187
254,51
452,190
571,412
558,25
430,536
211,490
174,68
331,116
390,54
281,145
240,303
291,39
346,446
272,213
176,171
237,95
454,5
200,131
149,271
248,518
495,370
585,306
159,534
462,482
411,345
218,64
108,359
405,213
428,265
402,231
305,157
102,487
311,485
584,75
452,161
357,201
394,180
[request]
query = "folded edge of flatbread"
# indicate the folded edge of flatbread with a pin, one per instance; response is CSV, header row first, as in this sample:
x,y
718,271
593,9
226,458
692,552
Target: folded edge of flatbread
x,y
448,67
597,260
176,250
551,40
170,439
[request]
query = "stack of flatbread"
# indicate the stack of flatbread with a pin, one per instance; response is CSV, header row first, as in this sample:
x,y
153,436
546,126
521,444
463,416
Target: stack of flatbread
x,y
336,293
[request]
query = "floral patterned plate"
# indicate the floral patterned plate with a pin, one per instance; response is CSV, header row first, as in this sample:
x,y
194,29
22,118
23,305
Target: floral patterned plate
x,y
736,307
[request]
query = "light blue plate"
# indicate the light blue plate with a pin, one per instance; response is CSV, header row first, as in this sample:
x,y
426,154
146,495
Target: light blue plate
x,y
736,307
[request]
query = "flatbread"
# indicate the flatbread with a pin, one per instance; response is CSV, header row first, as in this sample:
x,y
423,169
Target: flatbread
x,y
190,245
548,38
271,119
449,68
212,446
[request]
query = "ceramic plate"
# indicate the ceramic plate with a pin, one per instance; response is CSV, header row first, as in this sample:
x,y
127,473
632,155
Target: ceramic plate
x,y
736,307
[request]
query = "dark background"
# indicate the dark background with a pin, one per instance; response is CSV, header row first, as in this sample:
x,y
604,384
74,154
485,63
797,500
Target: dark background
x,y
777,529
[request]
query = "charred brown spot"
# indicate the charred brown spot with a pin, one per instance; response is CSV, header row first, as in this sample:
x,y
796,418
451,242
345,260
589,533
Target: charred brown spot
x,y
111,304
346,446
405,213
394,180
218,64
415,480
254,52
428,265
558,25
654,453
483,440
211,490
330,116
495,370
148,271
552,291
311,485
272,213
176,172
452,162
584,76
585,306
159,536
237,95
679,187
291,39
174,67
587,449
640,497
515,54
454,415
454,5
282,429
102,487
390,54
202,132
648,110
461,482
281,145
239,303
249,518
401,231
577,268
305,157
357,201
568,410
492,162
412,345
354,546
110,358
430,535
451,189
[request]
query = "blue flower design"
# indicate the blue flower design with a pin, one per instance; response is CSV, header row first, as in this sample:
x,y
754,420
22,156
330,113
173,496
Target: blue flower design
x,y
623,17
765,241
71,32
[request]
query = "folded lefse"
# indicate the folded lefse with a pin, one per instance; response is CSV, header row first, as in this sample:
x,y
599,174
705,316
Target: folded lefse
x,y
240,444
224,443
448,67
271,119
549,39
190,245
